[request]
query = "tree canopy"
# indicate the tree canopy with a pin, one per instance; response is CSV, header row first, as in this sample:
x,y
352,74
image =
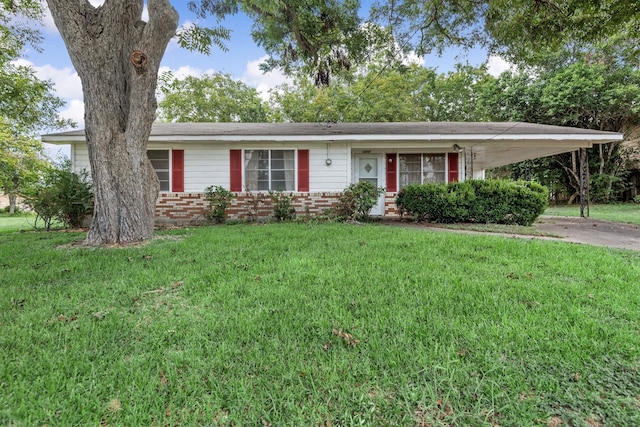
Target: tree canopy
x,y
210,98
27,104
21,161
15,33
600,95
523,31
412,93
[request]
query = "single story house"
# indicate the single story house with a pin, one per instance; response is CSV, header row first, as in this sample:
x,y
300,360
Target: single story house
x,y
316,161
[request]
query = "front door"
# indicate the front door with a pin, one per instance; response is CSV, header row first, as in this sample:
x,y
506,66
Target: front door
x,y
367,168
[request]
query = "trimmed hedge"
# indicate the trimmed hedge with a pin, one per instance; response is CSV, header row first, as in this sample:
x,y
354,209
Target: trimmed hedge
x,y
476,201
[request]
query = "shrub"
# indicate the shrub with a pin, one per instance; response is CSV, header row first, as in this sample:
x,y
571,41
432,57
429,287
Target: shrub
x,y
283,209
62,196
7,209
43,201
218,198
357,200
480,201
75,197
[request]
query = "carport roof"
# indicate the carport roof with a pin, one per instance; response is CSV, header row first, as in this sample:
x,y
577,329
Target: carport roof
x,y
490,143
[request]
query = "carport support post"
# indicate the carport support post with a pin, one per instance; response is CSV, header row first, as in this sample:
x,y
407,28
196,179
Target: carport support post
x,y
584,183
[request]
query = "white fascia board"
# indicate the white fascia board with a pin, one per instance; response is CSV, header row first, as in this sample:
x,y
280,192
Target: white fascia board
x,y
475,138
384,138
63,139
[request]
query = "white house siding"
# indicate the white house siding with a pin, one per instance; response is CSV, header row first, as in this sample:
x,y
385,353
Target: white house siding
x,y
204,166
208,164
323,178
80,157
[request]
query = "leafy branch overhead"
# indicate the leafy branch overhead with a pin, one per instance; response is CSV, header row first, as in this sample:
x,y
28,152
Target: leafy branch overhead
x,y
522,30
319,37
322,38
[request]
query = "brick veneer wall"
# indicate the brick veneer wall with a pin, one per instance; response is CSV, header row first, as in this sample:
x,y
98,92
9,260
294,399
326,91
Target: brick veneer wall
x,y
185,208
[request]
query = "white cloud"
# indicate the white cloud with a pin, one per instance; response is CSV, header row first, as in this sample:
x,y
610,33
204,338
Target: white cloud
x,y
66,81
497,65
263,82
48,26
411,58
184,71
66,85
75,112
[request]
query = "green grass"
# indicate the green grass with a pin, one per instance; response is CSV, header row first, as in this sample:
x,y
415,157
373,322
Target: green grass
x,y
234,325
16,222
623,212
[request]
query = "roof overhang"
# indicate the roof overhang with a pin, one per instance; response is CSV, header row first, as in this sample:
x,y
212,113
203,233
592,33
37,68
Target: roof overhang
x,y
489,144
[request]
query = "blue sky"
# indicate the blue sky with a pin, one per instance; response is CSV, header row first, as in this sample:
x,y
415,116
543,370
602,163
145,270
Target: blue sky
x,y
241,60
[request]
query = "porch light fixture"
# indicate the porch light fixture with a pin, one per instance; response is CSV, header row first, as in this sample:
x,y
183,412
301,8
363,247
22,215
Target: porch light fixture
x,y
457,148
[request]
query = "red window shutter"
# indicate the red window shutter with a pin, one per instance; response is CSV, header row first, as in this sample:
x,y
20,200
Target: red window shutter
x,y
392,173
235,160
303,170
453,167
177,171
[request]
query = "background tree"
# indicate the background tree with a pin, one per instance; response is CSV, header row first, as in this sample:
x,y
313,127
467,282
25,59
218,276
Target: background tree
x,y
27,104
410,93
377,96
15,34
523,31
317,38
21,163
211,98
601,95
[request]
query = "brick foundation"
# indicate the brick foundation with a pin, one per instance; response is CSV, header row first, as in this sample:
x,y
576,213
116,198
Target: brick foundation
x,y
185,208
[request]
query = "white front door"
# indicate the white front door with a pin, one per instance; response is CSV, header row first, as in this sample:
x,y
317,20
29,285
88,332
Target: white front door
x,y
367,168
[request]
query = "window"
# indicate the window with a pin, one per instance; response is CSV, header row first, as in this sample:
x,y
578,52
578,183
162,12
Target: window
x,y
422,168
269,170
160,161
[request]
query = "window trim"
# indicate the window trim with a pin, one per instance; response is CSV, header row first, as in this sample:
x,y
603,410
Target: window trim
x,y
169,170
301,169
173,171
393,160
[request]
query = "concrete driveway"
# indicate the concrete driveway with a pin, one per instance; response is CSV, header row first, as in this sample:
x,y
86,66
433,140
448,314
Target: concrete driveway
x,y
564,229
591,231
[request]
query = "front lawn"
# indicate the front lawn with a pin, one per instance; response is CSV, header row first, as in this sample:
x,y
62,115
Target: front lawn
x,y
16,222
318,325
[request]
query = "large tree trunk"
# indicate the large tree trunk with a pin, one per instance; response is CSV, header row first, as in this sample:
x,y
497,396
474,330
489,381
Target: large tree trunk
x,y
117,57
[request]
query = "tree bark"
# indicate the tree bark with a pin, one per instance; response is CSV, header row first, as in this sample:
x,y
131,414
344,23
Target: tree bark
x,y
117,57
13,201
